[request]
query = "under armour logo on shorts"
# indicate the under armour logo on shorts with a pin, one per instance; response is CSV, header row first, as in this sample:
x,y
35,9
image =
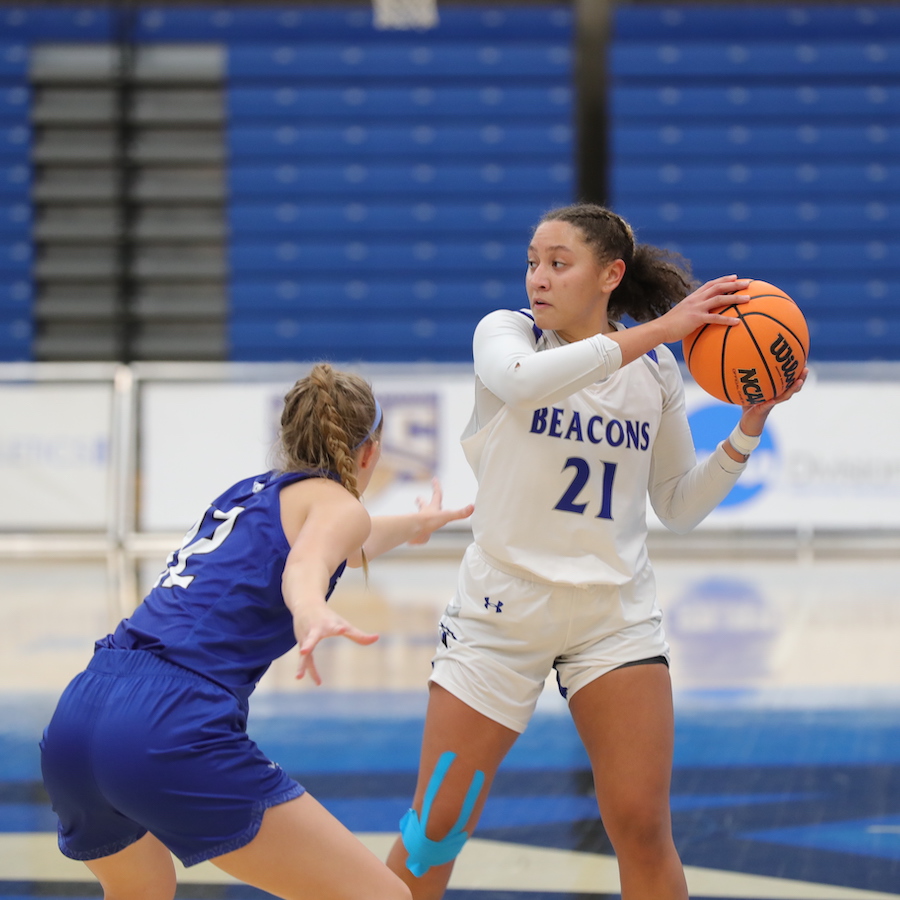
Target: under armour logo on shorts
x,y
497,607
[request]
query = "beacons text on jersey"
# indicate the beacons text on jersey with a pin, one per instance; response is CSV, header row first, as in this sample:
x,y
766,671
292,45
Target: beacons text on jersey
x,y
568,425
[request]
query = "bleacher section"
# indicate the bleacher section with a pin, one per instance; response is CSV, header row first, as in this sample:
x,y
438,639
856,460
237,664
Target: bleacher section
x,y
352,177
382,184
765,140
16,294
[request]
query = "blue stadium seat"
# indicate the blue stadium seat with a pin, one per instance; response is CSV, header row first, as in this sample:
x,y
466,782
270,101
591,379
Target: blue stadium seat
x,y
868,337
15,105
400,295
15,258
460,61
16,330
746,103
743,59
15,219
16,338
676,142
15,183
738,22
773,260
355,218
382,339
494,258
490,181
655,221
13,62
16,295
741,181
831,295
237,24
58,22
15,142
418,103
370,142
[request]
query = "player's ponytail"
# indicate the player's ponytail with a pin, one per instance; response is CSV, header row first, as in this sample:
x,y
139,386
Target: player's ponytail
x,y
327,416
654,280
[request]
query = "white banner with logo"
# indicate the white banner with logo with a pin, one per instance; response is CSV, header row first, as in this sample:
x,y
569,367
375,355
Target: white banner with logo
x,y
829,459
197,439
54,456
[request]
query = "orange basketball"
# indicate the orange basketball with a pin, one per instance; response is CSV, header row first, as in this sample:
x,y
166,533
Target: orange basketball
x,y
756,360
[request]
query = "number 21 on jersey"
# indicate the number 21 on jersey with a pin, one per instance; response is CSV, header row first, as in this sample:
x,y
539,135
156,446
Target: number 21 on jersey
x,y
580,478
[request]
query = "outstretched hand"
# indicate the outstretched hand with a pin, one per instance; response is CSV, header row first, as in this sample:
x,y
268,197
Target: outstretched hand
x,y
317,625
431,516
698,307
753,418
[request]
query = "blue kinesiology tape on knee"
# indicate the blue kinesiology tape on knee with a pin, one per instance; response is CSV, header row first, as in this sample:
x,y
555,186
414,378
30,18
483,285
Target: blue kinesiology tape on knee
x,y
423,852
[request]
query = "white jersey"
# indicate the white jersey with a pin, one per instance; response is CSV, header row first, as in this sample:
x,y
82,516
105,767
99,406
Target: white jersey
x,y
566,444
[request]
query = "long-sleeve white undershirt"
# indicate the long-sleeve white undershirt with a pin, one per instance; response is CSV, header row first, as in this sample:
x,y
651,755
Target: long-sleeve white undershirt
x,y
510,371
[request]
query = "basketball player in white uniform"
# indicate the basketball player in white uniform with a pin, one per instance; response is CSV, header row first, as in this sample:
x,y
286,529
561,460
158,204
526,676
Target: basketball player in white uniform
x,y
576,421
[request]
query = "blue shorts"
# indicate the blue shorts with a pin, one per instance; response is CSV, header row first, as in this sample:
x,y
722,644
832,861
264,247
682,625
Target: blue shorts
x,y
139,744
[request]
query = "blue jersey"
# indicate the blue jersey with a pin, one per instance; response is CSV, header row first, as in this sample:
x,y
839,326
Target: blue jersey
x,y
217,608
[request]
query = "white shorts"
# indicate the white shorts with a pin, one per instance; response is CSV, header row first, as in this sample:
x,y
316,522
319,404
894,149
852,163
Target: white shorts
x,y
502,635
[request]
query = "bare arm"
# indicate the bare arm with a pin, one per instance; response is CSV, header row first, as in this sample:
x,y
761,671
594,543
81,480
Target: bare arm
x,y
334,526
414,528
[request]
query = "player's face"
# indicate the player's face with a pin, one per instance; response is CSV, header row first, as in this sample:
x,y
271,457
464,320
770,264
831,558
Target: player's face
x,y
568,290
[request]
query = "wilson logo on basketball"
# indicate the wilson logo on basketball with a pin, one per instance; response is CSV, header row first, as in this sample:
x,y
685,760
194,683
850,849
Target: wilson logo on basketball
x,y
784,356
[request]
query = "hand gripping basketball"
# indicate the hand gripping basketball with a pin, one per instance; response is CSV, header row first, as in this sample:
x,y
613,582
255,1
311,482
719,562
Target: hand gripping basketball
x,y
756,360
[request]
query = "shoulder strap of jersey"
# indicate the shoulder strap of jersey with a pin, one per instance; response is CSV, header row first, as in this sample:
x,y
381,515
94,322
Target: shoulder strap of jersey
x,y
538,332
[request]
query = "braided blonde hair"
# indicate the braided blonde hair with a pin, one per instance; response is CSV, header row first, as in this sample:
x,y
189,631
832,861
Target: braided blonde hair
x,y
327,416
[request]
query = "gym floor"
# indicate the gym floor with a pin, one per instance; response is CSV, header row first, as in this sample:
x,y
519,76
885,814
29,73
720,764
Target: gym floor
x,y
787,760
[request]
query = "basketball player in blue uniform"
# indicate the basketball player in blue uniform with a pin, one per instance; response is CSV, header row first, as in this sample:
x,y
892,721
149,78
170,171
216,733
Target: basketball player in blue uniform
x,y
147,753
576,421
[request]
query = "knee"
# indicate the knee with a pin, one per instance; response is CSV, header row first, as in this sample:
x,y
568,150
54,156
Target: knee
x,y
638,830
447,828
424,852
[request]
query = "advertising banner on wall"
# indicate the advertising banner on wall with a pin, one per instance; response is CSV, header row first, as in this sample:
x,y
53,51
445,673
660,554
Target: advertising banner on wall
x,y
198,438
828,458
54,456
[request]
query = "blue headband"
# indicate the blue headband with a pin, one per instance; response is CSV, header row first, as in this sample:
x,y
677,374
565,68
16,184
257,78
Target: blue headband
x,y
375,424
